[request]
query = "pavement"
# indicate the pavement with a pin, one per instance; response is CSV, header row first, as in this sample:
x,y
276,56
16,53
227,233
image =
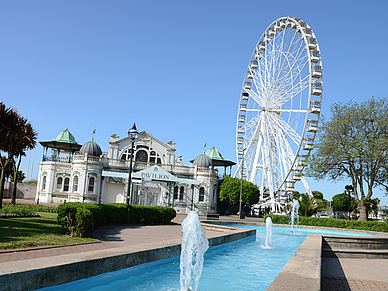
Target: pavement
x,y
342,274
337,273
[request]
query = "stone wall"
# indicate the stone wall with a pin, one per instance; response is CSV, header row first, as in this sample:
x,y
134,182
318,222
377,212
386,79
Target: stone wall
x,y
23,191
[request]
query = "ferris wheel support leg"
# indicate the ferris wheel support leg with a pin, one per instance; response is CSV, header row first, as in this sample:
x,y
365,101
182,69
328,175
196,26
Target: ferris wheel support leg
x,y
306,186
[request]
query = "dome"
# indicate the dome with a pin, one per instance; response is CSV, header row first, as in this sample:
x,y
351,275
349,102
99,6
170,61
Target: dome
x,y
65,136
214,154
203,161
91,148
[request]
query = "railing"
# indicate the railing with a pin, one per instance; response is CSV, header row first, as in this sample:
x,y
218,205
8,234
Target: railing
x,y
137,166
57,159
86,158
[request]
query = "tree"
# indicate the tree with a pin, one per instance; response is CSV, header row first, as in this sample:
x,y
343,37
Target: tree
x,y
372,205
341,202
353,144
16,136
309,205
20,176
296,195
230,189
317,194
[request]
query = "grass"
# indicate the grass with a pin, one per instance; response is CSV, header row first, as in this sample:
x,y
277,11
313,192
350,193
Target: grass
x,y
34,231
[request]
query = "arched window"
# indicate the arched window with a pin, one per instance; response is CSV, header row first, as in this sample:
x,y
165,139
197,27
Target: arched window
x,y
181,192
91,185
141,156
59,183
176,188
214,194
66,185
126,155
44,183
201,197
75,184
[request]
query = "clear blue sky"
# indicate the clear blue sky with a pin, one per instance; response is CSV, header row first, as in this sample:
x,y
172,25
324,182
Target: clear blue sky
x,y
174,67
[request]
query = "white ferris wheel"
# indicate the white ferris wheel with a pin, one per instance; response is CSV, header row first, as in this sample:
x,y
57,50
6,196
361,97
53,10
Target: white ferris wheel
x,y
279,109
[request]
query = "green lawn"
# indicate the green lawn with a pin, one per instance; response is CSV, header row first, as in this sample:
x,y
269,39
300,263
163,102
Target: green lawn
x,y
34,231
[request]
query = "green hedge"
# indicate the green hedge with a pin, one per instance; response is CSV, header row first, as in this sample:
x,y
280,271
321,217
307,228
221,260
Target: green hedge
x,y
331,222
76,217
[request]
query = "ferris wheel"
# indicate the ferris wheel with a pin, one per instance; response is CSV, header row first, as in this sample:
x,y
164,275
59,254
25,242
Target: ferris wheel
x,y
279,109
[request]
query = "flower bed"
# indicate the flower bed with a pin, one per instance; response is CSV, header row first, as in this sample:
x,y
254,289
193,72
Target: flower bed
x,y
23,210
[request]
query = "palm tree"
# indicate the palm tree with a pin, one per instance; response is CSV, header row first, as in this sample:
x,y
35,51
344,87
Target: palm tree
x,y
16,135
310,205
26,139
6,120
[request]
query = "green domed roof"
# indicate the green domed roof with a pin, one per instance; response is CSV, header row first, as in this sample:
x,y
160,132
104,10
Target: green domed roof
x,y
65,140
218,160
66,136
214,154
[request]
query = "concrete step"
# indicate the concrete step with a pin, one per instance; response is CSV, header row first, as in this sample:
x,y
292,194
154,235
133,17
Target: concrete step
x,y
328,252
373,243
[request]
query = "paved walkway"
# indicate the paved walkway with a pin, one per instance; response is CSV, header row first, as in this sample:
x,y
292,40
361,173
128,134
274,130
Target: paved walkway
x,y
344,274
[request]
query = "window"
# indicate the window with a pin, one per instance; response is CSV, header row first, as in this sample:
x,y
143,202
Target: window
x,y
126,155
59,184
75,184
66,185
201,197
181,192
141,156
44,183
214,195
176,192
91,185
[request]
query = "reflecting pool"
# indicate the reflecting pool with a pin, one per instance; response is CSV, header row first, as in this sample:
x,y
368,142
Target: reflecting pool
x,y
241,265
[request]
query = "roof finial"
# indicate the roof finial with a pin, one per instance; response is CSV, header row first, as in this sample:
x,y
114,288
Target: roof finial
x,y
204,146
93,132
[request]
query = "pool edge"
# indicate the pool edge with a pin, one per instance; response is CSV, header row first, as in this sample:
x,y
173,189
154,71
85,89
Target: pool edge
x,y
50,271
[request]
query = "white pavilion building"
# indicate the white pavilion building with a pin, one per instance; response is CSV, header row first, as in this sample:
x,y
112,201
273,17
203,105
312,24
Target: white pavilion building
x,y
70,172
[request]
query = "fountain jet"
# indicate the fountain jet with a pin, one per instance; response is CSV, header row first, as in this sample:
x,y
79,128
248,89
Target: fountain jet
x,y
194,246
268,232
294,213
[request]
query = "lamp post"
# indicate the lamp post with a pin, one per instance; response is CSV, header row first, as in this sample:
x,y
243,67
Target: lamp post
x,y
241,184
133,134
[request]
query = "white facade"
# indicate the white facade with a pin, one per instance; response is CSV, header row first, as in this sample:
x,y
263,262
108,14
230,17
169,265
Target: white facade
x,y
103,179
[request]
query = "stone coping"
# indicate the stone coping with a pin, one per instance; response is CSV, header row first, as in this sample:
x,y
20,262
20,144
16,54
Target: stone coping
x,y
48,271
303,270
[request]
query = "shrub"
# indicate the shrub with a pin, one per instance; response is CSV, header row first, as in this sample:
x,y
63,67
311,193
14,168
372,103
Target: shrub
x,y
331,222
76,217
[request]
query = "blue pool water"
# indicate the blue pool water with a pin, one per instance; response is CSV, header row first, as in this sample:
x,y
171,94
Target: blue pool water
x,y
240,265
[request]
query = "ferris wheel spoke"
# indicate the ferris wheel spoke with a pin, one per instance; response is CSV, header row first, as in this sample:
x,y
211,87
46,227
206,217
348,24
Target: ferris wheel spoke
x,y
286,53
290,67
256,97
293,110
295,90
286,128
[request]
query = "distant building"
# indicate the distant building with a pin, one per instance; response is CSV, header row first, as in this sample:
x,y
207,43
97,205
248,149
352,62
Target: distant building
x,y
83,173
